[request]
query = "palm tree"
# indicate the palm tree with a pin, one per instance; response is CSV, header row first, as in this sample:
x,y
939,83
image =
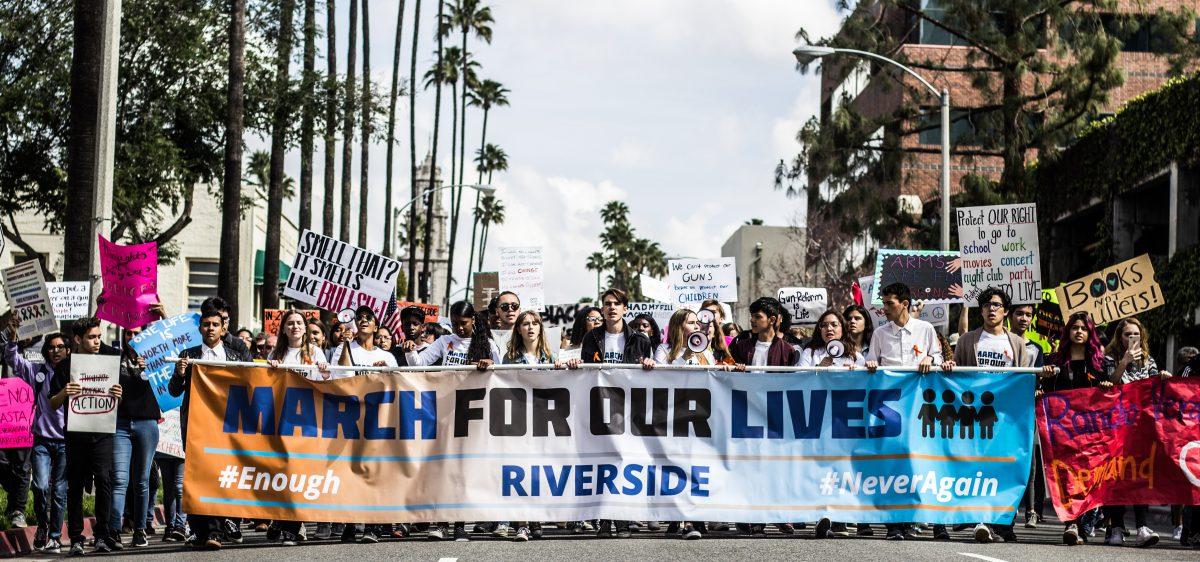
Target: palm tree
x,y
437,115
447,73
348,123
229,269
391,135
614,211
410,293
485,95
331,102
258,176
269,298
469,16
365,146
597,263
490,160
490,211
308,112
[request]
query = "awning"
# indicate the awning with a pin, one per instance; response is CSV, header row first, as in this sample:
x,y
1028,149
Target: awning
x,y
260,257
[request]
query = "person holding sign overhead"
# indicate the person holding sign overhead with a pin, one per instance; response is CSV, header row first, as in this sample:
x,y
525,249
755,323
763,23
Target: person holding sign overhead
x,y
89,455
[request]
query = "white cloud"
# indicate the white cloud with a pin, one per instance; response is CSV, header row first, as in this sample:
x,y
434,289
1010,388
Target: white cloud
x,y
630,154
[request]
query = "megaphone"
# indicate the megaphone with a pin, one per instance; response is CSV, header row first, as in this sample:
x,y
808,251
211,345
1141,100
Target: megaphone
x,y
346,315
698,342
705,317
835,348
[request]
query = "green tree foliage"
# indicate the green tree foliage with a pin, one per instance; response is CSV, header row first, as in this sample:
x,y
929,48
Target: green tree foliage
x,y
624,254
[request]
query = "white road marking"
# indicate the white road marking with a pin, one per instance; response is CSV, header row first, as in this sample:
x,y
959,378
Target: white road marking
x,y
982,557
447,560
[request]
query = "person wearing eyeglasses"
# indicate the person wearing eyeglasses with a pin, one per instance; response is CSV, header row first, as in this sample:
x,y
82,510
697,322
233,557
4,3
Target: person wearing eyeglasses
x,y
49,452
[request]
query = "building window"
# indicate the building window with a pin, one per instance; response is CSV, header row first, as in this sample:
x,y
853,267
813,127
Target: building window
x,y
931,33
202,282
1137,33
964,130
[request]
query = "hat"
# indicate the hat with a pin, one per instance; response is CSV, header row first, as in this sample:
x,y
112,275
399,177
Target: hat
x,y
364,309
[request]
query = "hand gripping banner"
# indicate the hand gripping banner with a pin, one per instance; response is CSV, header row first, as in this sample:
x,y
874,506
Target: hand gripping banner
x,y
668,445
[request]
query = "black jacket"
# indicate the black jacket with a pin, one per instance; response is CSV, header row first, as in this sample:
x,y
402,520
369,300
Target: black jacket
x,y
637,346
181,379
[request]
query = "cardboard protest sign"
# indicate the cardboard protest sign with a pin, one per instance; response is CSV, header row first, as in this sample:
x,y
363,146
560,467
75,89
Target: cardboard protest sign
x,y
272,317
660,311
932,277
692,281
71,299
334,275
805,304
94,410
521,272
130,275
999,248
170,435
561,314
26,291
936,314
16,413
485,285
163,339
1117,292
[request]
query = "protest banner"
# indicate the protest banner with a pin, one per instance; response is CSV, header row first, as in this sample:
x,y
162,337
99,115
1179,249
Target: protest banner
x,y
333,275
804,304
936,314
560,314
71,299
660,311
170,435
16,414
999,248
272,317
130,276
693,281
1138,443
576,445
163,339
521,272
485,285
25,289
1123,290
94,410
932,277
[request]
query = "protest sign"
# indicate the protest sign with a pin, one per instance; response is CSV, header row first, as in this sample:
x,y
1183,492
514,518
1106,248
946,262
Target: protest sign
x,y
560,314
94,410
1123,290
932,277
654,289
273,316
170,437
431,310
26,291
693,281
16,413
163,339
71,299
1047,322
485,285
521,272
334,275
804,304
999,248
1138,443
464,446
130,275
660,311
936,314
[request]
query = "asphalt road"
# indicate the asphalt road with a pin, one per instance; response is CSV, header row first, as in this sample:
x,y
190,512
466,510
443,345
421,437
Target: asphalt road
x,y
1043,543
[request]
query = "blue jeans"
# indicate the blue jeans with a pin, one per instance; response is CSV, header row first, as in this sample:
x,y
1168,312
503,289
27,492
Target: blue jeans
x,y
133,449
50,475
172,485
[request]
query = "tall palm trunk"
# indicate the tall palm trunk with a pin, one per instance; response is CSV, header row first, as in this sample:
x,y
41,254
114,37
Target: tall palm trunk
x,y
388,227
348,123
475,223
229,269
412,155
279,126
331,84
364,205
87,58
456,198
307,113
426,282
455,192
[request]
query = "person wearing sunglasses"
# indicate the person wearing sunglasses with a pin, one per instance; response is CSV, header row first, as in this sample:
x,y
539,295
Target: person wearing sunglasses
x,y
508,306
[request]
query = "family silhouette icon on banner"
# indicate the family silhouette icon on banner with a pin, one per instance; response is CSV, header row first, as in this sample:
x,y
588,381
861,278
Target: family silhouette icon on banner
x,y
965,415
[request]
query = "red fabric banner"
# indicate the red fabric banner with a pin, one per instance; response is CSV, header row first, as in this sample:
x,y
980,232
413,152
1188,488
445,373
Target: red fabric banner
x,y
1137,443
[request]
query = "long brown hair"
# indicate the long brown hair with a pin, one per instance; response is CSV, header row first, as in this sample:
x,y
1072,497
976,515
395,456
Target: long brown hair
x,y
1116,346
818,340
282,342
516,343
676,339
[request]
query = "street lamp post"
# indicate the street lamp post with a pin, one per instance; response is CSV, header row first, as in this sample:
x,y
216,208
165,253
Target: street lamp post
x,y
808,53
484,189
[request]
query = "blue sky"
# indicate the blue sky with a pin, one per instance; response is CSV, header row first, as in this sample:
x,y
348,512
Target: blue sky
x,y
681,108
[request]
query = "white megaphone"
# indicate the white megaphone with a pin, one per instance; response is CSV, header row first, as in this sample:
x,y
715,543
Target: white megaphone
x,y
835,349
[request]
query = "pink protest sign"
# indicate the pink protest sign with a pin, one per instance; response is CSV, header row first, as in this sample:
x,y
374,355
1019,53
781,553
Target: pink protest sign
x,y
16,414
130,275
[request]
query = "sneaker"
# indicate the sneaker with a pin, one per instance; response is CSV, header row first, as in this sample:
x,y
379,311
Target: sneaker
x,y
501,530
1115,536
399,531
983,534
690,533
522,534
823,527
436,532
76,549
114,543
139,539
274,532
604,531
232,533
52,546
39,538
1071,536
785,528
839,530
535,530
460,534
623,532
1177,533
175,534
286,538
587,526
369,537
1031,521
17,520
349,533
894,535
213,542
634,526
102,546
1146,537
324,531
941,534
150,530
653,526
916,528
864,530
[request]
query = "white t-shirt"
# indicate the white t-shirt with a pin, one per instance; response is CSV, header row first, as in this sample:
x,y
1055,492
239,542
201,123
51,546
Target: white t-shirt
x,y
451,349
360,357
993,351
814,357
315,355
663,351
614,347
761,349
